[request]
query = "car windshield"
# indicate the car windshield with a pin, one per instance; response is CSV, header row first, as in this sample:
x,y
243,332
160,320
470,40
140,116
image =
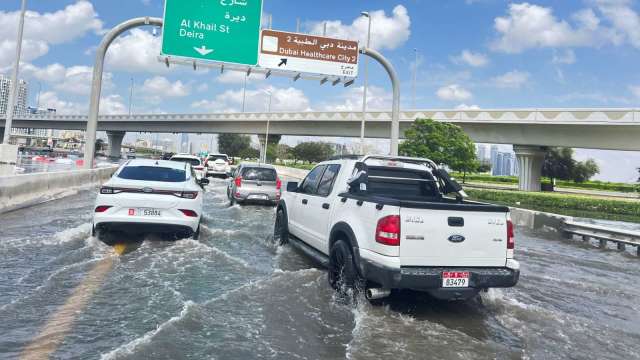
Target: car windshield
x,y
153,173
192,161
262,174
218,157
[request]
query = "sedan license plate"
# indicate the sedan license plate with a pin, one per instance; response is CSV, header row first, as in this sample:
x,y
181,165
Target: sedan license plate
x,y
455,279
145,212
258,197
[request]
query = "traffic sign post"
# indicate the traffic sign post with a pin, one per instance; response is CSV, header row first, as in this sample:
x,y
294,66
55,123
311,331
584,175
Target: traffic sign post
x,y
212,30
303,53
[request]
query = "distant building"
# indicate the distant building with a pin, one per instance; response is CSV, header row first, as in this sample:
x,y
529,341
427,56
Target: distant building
x,y
504,164
185,145
21,97
481,153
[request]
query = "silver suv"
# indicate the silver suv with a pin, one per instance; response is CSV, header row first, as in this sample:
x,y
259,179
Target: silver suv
x,y
257,183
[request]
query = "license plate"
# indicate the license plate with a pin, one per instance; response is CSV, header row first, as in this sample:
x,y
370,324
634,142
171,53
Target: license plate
x,y
455,279
258,197
145,212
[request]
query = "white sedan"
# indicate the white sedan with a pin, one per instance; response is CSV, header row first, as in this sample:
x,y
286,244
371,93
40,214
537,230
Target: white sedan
x,y
150,196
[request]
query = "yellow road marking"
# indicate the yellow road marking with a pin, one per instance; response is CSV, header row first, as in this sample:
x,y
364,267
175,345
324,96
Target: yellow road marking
x,y
120,248
61,322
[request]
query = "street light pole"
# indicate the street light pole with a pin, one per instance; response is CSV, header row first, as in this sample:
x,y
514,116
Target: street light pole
x,y
266,138
366,81
415,79
131,97
14,77
244,92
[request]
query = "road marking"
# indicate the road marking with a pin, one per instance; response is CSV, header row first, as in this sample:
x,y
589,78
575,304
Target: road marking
x,y
61,322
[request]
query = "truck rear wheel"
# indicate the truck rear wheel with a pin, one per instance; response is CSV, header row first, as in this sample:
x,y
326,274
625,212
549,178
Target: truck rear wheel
x,y
280,229
343,274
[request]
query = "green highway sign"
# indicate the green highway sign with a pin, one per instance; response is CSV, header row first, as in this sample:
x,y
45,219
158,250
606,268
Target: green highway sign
x,y
214,30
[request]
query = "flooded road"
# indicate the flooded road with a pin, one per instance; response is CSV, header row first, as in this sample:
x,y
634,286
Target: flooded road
x,y
234,295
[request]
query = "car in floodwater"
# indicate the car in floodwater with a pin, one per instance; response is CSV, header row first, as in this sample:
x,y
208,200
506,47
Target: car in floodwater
x,y
218,165
150,196
381,223
254,183
194,161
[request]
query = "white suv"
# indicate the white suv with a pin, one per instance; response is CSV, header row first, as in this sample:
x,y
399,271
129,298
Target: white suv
x,y
150,196
217,165
386,223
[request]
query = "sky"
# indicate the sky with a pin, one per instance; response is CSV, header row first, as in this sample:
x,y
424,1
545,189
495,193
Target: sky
x,y
467,53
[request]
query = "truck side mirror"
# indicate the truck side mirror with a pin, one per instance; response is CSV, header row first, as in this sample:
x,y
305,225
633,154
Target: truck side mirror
x,y
292,186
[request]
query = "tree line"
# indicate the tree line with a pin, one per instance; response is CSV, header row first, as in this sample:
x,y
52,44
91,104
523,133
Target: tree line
x,y
240,146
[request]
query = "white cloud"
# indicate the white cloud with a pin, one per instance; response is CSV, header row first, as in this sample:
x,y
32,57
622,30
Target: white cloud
x,y
624,19
109,105
387,32
454,92
237,77
470,58
136,51
44,29
283,99
635,90
49,99
512,79
158,88
467,107
202,88
74,79
351,100
532,26
566,57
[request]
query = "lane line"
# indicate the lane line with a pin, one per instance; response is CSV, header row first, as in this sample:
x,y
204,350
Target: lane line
x,y
61,322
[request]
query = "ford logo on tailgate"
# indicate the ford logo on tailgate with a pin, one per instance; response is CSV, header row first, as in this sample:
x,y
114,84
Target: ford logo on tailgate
x,y
456,238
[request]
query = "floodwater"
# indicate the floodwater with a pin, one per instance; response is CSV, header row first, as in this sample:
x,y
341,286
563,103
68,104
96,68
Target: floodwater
x,y
234,295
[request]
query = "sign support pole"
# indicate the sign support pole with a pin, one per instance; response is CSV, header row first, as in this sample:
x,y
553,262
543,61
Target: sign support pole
x,y
96,84
395,108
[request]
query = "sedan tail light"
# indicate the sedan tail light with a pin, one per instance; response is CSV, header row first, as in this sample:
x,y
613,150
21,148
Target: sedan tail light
x,y
278,184
107,190
102,208
186,194
189,213
388,230
238,181
511,240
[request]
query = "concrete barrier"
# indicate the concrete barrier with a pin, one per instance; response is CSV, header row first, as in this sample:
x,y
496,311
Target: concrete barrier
x,y
24,190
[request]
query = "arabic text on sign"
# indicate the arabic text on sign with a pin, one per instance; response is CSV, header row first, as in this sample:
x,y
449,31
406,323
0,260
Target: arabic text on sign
x,y
233,2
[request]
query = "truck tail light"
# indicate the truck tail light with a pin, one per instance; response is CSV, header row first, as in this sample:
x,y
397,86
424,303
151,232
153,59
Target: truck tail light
x,y
102,208
238,181
189,213
511,240
278,184
388,230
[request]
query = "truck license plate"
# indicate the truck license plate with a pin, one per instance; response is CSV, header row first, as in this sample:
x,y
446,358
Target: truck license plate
x,y
455,279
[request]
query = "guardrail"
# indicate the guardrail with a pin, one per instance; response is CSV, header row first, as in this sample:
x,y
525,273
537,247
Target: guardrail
x,y
603,234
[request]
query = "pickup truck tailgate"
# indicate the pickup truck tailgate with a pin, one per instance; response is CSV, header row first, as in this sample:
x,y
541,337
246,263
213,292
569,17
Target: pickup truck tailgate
x,y
452,238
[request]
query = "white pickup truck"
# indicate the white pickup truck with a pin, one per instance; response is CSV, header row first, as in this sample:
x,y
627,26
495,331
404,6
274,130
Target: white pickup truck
x,y
380,223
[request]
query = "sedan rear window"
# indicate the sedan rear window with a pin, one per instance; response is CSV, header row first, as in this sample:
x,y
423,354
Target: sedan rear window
x,y
153,173
261,174
193,162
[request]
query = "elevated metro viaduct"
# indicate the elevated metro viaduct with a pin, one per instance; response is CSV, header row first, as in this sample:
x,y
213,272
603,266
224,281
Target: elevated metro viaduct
x,y
528,130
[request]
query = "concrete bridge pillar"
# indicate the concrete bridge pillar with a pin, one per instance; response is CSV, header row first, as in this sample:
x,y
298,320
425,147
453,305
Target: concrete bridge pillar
x,y
530,161
115,143
1,134
263,150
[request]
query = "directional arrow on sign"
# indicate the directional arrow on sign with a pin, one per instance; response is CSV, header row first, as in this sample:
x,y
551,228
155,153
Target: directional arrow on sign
x,y
203,50
283,62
